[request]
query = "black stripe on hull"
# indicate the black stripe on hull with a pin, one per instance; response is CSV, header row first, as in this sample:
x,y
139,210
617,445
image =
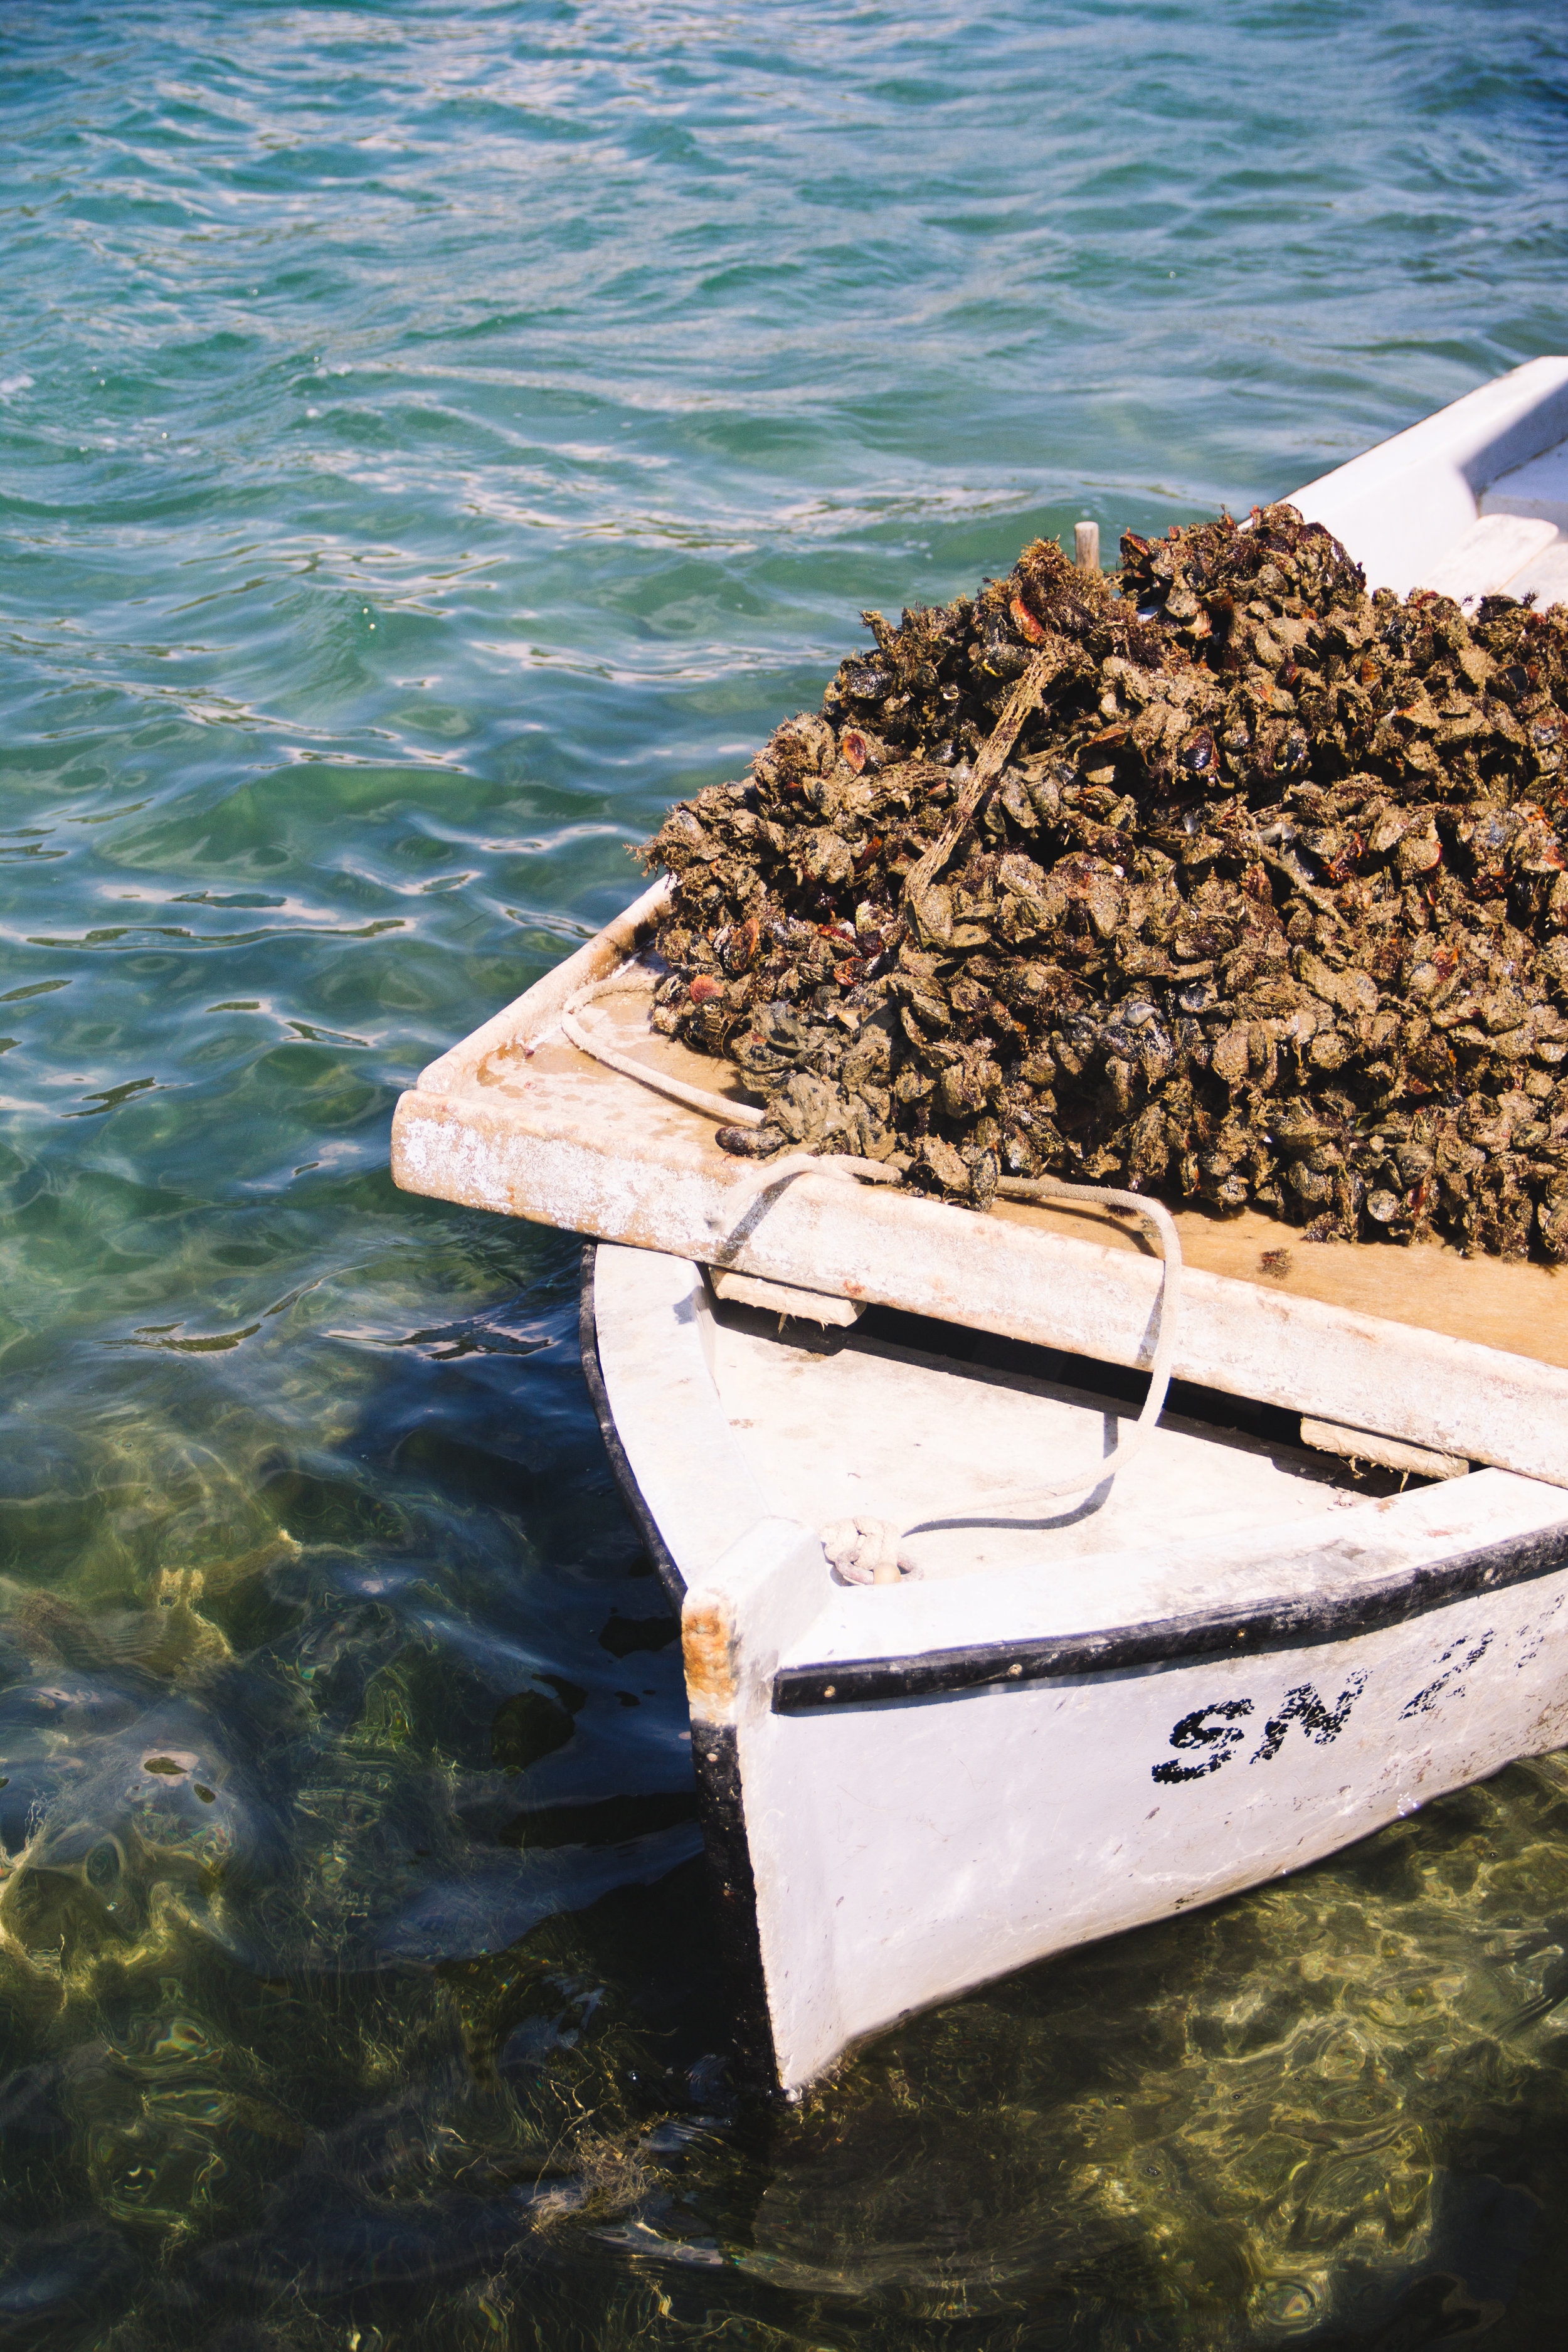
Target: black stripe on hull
x,y
715,1761
721,1808
1174,1641
643,1519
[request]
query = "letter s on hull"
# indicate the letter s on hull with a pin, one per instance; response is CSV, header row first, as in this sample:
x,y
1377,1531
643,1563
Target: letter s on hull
x,y
1196,1730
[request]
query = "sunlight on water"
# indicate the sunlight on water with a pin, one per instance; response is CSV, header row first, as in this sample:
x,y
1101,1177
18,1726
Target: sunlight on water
x,y
430,439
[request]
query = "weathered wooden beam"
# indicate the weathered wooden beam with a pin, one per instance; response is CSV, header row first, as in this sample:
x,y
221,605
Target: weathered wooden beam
x,y
544,1133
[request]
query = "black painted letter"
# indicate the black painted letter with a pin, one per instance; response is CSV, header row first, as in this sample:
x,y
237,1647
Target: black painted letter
x,y
1303,1706
1192,1731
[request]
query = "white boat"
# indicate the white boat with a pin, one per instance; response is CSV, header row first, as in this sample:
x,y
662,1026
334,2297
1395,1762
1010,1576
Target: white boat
x,y
1045,1721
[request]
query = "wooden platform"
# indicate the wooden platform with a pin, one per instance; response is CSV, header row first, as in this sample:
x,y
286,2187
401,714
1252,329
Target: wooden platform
x,y
1465,1356
1522,1308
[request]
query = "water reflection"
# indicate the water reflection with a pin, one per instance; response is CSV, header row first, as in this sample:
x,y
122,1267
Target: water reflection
x,y
344,1994
304,1800
435,437
355,1969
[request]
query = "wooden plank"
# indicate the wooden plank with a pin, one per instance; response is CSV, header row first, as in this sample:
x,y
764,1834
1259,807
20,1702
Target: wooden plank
x,y
532,1127
519,1057
1521,1308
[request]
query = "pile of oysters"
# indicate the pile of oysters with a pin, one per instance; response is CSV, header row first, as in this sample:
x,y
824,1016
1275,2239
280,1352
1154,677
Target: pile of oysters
x,y
1215,878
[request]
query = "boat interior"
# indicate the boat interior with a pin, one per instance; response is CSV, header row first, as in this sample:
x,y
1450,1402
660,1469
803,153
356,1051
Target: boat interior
x,y
1472,501
732,1417
1516,546
949,1433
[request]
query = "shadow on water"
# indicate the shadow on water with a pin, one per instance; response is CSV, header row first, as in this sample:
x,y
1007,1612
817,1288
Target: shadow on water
x,y
350,1932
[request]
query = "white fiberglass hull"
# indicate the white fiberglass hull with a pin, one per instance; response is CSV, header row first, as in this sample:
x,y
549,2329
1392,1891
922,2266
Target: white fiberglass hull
x,y
1229,1664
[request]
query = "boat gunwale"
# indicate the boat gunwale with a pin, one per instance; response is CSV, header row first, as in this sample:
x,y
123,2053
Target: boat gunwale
x,y
664,1561
1122,1651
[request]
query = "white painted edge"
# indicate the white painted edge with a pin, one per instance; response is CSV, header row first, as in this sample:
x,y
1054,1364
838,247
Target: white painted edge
x,y
1399,507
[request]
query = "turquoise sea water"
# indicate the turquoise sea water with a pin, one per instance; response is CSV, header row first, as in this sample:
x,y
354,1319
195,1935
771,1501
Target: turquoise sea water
x,y
431,438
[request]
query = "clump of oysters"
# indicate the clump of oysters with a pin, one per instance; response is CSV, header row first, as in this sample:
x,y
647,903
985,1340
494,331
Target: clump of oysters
x,y
1217,879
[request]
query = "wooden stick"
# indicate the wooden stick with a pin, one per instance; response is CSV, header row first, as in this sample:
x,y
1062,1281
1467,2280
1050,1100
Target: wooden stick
x,y
1086,546
991,760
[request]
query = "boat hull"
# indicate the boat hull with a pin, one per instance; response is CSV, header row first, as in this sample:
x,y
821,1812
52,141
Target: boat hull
x,y
905,1851
892,1820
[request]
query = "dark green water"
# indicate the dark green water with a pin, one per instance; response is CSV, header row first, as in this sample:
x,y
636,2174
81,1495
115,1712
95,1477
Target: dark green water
x,y
430,439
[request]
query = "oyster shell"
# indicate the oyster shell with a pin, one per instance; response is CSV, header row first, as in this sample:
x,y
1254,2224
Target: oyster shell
x,y
1264,899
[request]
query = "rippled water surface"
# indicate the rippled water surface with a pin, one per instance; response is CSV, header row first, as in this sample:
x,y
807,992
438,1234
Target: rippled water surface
x,y
430,438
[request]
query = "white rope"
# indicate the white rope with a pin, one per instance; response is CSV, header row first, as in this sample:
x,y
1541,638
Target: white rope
x,y
871,1551
842,1164
1163,1225
719,1107
867,1550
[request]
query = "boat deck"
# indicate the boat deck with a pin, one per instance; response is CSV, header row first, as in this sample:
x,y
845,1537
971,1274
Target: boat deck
x,y
908,1434
1518,545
